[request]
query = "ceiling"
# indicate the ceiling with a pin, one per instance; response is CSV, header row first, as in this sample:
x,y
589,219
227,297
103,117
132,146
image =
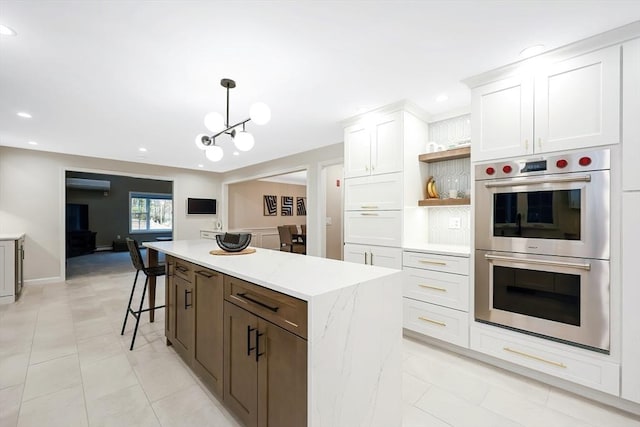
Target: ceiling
x,y
104,79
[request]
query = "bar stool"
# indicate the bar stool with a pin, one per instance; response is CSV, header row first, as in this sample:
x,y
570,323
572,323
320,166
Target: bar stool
x,y
138,264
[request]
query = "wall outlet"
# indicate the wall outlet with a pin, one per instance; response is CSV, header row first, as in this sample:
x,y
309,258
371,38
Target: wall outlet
x,y
118,237
454,223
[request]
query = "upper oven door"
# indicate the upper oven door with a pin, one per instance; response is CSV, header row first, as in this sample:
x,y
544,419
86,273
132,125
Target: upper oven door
x,y
557,214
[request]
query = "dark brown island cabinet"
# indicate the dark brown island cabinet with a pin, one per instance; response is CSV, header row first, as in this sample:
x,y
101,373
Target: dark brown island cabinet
x,y
247,344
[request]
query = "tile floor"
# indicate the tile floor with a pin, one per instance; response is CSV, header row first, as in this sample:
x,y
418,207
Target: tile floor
x,y
64,363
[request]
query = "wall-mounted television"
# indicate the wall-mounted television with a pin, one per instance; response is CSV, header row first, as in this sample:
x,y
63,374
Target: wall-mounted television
x,y
201,206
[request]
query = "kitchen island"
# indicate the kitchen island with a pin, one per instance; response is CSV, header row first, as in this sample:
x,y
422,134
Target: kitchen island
x,y
286,339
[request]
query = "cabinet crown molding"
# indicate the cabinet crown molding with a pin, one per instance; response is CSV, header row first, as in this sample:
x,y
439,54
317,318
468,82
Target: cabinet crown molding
x,y
404,105
599,41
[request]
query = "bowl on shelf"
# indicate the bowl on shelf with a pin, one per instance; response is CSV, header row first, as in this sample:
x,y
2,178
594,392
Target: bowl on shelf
x,y
233,242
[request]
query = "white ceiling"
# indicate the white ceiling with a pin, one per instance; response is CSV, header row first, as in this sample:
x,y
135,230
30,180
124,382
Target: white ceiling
x,y
103,79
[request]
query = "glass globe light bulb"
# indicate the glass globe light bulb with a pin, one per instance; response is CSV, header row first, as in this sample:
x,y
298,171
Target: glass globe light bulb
x,y
199,142
214,153
243,141
260,113
214,122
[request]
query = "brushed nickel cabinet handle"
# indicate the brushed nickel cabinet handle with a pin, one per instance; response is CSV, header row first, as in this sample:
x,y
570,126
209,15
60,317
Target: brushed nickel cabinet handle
x,y
540,143
427,261
526,144
435,322
534,357
368,207
368,214
436,288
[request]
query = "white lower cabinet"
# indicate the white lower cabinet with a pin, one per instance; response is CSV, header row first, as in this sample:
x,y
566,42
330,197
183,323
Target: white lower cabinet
x,y
373,255
376,192
436,296
576,365
630,360
435,321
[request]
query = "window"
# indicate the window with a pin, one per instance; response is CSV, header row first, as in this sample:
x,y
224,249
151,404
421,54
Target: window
x,y
150,212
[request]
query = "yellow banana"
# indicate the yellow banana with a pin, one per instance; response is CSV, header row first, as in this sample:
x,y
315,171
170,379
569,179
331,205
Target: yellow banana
x,y
434,189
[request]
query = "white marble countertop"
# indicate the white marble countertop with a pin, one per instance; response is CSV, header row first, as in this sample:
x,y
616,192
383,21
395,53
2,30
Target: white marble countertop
x,y
432,248
11,236
301,276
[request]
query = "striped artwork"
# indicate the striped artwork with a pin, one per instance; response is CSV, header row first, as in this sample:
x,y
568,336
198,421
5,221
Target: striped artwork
x,y
287,206
270,205
301,206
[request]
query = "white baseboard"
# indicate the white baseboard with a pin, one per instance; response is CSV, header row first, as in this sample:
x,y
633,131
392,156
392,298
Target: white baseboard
x,y
43,281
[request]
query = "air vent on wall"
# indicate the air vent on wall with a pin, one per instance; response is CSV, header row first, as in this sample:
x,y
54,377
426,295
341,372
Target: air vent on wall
x,y
88,184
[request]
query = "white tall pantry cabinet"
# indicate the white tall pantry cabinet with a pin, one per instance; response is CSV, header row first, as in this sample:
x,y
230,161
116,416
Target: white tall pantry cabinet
x,y
377,147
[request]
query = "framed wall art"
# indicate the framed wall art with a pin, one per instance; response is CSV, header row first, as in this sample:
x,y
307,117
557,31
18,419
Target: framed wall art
x,y
270,205
301,206
286,208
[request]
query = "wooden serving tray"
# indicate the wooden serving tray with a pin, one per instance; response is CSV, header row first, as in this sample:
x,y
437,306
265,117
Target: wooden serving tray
x,y
245,251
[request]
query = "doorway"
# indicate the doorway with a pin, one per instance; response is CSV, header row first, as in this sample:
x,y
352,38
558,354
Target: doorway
x,y
102,209
332,179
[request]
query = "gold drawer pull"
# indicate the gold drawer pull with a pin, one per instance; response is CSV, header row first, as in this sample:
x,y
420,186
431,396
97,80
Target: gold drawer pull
x,y
295,325
538,358
369,207
369,214
435,322
426,261
436,288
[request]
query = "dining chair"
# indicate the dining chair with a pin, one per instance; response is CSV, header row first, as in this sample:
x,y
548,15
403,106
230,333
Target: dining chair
x,y
286,242
138,264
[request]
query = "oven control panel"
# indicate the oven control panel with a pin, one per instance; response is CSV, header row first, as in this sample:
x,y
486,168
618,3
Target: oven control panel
x,y
577,161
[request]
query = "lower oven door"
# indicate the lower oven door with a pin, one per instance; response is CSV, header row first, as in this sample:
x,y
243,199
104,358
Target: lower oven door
x,y
561,298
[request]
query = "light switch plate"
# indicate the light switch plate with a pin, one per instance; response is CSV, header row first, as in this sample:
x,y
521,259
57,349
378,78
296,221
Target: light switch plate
x,y
454,223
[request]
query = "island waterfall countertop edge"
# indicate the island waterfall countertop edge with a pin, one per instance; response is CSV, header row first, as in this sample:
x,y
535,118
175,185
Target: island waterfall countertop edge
x,y
301,276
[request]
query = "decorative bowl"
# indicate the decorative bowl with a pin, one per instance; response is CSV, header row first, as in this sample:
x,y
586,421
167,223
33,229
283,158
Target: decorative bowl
x,y
233,242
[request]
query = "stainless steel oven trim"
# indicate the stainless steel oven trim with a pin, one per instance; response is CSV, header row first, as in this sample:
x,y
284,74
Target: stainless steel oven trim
x,y
531,181
593,331
534,261
595,223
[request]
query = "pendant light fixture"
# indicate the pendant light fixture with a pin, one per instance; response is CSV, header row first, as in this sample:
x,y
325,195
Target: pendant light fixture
x,y
259,113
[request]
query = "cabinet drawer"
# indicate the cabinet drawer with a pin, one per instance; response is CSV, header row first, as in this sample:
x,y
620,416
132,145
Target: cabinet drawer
x,y
377,192
382,228
438,322
547,357
446,289
285,311
183,269
444,263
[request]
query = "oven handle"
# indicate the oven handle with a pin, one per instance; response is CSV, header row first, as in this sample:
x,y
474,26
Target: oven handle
x,y
538,262
511,183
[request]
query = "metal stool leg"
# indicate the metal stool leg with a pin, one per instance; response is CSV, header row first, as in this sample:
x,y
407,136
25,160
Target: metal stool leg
x,y
126,314
144,291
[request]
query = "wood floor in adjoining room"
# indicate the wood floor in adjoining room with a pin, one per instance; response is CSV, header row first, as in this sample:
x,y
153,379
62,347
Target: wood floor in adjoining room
x,y
64,363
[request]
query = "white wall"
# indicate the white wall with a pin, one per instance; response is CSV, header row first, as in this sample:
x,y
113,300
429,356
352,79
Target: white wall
x,y
312,161
32,201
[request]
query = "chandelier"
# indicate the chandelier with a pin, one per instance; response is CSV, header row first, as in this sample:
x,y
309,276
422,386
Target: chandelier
x,y
259,113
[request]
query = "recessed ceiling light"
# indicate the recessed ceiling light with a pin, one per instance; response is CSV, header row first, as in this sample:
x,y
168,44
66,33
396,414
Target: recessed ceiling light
x,y
142,150
6,31
442,98
200,166
32,143
24,115
532,51
236,153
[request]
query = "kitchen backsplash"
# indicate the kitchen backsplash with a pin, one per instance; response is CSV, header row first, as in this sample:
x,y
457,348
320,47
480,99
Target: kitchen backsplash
x,y
439,231
453,131
451,174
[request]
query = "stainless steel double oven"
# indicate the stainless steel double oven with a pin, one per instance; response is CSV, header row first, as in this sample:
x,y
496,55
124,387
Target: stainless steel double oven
x,y
542,246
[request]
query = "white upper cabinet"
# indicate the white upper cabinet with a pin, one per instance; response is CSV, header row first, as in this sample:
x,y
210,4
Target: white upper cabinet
x,y
631,119
374,146
570,104
502,119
